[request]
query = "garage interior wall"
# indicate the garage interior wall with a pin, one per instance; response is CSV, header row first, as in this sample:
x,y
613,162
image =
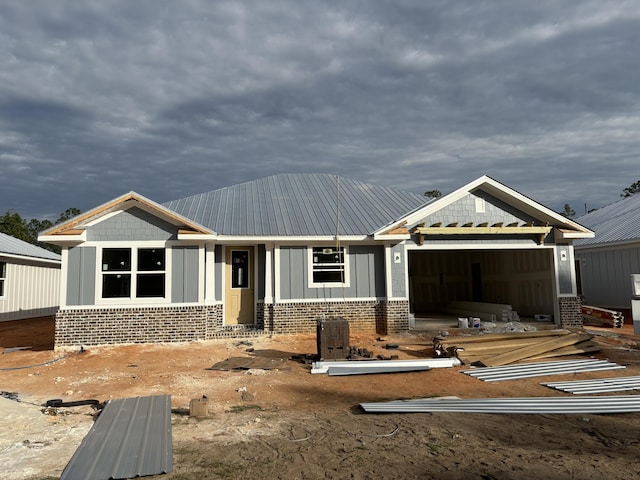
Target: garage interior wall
x,y
521,278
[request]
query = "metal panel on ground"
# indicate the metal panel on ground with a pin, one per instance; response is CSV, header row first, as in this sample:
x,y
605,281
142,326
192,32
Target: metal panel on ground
x,y
323,367
600,385
538,369
130,438
560,405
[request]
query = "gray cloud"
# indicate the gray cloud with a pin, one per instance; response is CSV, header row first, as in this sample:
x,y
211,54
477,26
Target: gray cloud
x,y
172,99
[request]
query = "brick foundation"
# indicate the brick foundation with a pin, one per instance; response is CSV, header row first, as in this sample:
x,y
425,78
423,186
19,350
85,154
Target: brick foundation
x,y
570,312
376,316
110,326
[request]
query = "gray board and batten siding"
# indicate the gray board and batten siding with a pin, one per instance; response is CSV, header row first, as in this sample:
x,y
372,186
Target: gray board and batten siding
x,y
133,224
185,274
81,288
366,269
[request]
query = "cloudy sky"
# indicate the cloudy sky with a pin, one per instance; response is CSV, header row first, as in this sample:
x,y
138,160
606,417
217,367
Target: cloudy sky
x,y
174,98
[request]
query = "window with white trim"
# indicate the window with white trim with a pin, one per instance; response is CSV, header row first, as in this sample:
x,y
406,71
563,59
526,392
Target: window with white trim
x,y
328,267
3,277
133,273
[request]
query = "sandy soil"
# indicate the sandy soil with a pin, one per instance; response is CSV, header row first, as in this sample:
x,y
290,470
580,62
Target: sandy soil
x,y
290,424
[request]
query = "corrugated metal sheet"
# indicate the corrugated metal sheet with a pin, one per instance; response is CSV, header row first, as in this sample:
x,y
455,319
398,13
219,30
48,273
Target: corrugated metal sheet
x,y
560,405
598,385
618,222
299,205
14,246
324,366
538,369
131,438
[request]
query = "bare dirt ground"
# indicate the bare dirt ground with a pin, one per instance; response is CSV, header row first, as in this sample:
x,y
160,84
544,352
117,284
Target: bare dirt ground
x,y
289,424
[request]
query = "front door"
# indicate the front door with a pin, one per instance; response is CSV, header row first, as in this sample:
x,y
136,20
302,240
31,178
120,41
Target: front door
x,y
239,297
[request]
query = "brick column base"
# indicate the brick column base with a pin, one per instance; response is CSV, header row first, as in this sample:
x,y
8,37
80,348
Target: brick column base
x,y
570,312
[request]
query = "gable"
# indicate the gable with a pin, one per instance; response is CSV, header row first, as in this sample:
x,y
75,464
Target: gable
x,y
477,208
133,224
490,208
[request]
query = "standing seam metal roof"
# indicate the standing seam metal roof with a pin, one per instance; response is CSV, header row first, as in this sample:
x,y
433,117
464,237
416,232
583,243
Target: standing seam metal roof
x,y
13,246
298,205
618,222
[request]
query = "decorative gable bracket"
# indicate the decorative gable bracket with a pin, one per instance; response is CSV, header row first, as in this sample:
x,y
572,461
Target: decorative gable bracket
x,y
482,229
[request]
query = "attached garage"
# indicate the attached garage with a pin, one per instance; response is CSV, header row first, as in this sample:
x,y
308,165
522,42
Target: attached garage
x,y
522,278
488,243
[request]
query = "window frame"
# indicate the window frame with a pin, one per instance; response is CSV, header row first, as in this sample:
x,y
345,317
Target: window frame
x,y
4,267
134,272
311,267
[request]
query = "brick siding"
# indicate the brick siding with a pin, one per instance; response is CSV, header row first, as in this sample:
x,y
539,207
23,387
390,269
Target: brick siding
x,y
378,317
570,312
110,326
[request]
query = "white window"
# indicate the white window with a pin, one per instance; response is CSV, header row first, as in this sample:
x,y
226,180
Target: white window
x,y
133,273
3,277
328,267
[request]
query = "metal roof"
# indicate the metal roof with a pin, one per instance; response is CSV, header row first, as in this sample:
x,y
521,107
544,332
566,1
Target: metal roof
x,y
618,222
12,246
131,438
298,205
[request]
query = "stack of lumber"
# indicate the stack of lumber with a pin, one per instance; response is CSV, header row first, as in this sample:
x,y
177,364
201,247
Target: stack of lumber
x,y
601,317
504,348
485,311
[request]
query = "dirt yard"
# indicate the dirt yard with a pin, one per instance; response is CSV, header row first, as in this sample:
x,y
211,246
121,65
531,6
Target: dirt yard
x,y
286,423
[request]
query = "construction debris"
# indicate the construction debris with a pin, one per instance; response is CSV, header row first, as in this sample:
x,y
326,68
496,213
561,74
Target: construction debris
x,y
485,311
600,385
601,317
538,369
505,348
544,405
247,363
356,367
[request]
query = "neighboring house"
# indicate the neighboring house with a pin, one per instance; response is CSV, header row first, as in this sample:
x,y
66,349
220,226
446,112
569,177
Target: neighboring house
x,y
29,280
277,254
605,263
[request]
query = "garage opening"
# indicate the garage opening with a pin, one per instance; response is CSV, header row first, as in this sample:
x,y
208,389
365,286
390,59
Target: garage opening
x,y
523,279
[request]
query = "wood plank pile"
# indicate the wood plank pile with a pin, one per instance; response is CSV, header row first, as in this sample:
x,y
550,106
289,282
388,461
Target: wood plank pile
x,y
504,348
601,317
490,312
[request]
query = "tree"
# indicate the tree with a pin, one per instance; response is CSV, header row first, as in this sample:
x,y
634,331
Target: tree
x,y
433,194
631,189
13,224
568,211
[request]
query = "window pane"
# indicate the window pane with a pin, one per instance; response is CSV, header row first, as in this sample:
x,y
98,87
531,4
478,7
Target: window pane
x,y
3,269
240,269
328,255
150,285
150,259
116,259
1,288
116,286
328,276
